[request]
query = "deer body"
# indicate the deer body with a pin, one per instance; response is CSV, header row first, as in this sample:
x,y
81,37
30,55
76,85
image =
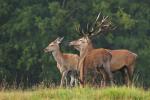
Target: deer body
x,y
65,61
93,59
123,60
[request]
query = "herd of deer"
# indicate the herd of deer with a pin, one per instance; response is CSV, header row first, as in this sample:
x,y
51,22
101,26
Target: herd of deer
x,y
101,61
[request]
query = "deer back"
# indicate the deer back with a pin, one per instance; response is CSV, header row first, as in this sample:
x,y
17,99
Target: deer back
x,y
70,61
121,58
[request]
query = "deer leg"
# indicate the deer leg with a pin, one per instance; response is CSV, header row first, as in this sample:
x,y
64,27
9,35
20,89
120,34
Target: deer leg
x,y
72,80
130,71
76,78
64,74
93,80
76,81
81,79
102,72
125,76
103,81
94,77
66,78
109,73
62,79
66,81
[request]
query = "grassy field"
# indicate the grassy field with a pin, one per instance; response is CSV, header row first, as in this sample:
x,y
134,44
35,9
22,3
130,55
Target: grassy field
x,y
87,93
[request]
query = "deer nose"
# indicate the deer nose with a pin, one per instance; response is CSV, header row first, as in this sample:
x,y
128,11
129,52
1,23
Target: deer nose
x,y
45,50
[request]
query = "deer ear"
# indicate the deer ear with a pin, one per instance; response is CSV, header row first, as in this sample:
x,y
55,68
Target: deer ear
x,y
57,39
60,40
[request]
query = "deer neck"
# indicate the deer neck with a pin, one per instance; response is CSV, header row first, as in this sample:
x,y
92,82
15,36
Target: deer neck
x,y
58,56
84,51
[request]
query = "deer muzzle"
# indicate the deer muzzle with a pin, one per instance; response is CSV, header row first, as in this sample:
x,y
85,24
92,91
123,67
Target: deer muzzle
x,y
45,50
72,43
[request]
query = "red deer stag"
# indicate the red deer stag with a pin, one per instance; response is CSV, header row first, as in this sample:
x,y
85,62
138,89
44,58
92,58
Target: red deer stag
x,y
65,62
93,59
122,60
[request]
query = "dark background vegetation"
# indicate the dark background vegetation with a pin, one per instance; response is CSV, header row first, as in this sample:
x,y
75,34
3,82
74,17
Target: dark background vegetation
x,y
27,26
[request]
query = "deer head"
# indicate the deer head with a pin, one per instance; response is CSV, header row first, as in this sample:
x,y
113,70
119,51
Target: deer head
x,y
101,24
54,45
81,43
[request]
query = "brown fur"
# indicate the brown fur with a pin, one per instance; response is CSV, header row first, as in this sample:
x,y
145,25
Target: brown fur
x,y
94,59
71,61
123,59
65,61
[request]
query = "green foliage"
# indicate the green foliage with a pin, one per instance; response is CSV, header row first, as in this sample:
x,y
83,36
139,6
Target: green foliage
x,y
125,19
27,26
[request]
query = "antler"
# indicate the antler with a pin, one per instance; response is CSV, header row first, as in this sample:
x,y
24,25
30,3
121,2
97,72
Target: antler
x,y
100,25
97,27
78,29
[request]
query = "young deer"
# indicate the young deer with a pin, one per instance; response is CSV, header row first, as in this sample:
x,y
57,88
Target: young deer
x,y
65,62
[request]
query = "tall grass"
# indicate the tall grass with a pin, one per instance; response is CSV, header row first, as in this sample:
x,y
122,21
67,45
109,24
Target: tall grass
x,y
87,93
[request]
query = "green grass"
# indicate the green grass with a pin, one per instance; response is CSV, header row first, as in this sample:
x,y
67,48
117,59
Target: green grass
x,y
87,93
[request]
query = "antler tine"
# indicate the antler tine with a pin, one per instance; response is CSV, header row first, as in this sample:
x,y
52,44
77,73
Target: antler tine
x,y
83,32
107,23
77,28
95,24
96,32
87,26
89,30
104,22
92,30
104,19
98,17
101,25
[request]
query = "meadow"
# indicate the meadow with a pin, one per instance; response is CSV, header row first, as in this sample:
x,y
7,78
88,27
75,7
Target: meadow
x,y
78,93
